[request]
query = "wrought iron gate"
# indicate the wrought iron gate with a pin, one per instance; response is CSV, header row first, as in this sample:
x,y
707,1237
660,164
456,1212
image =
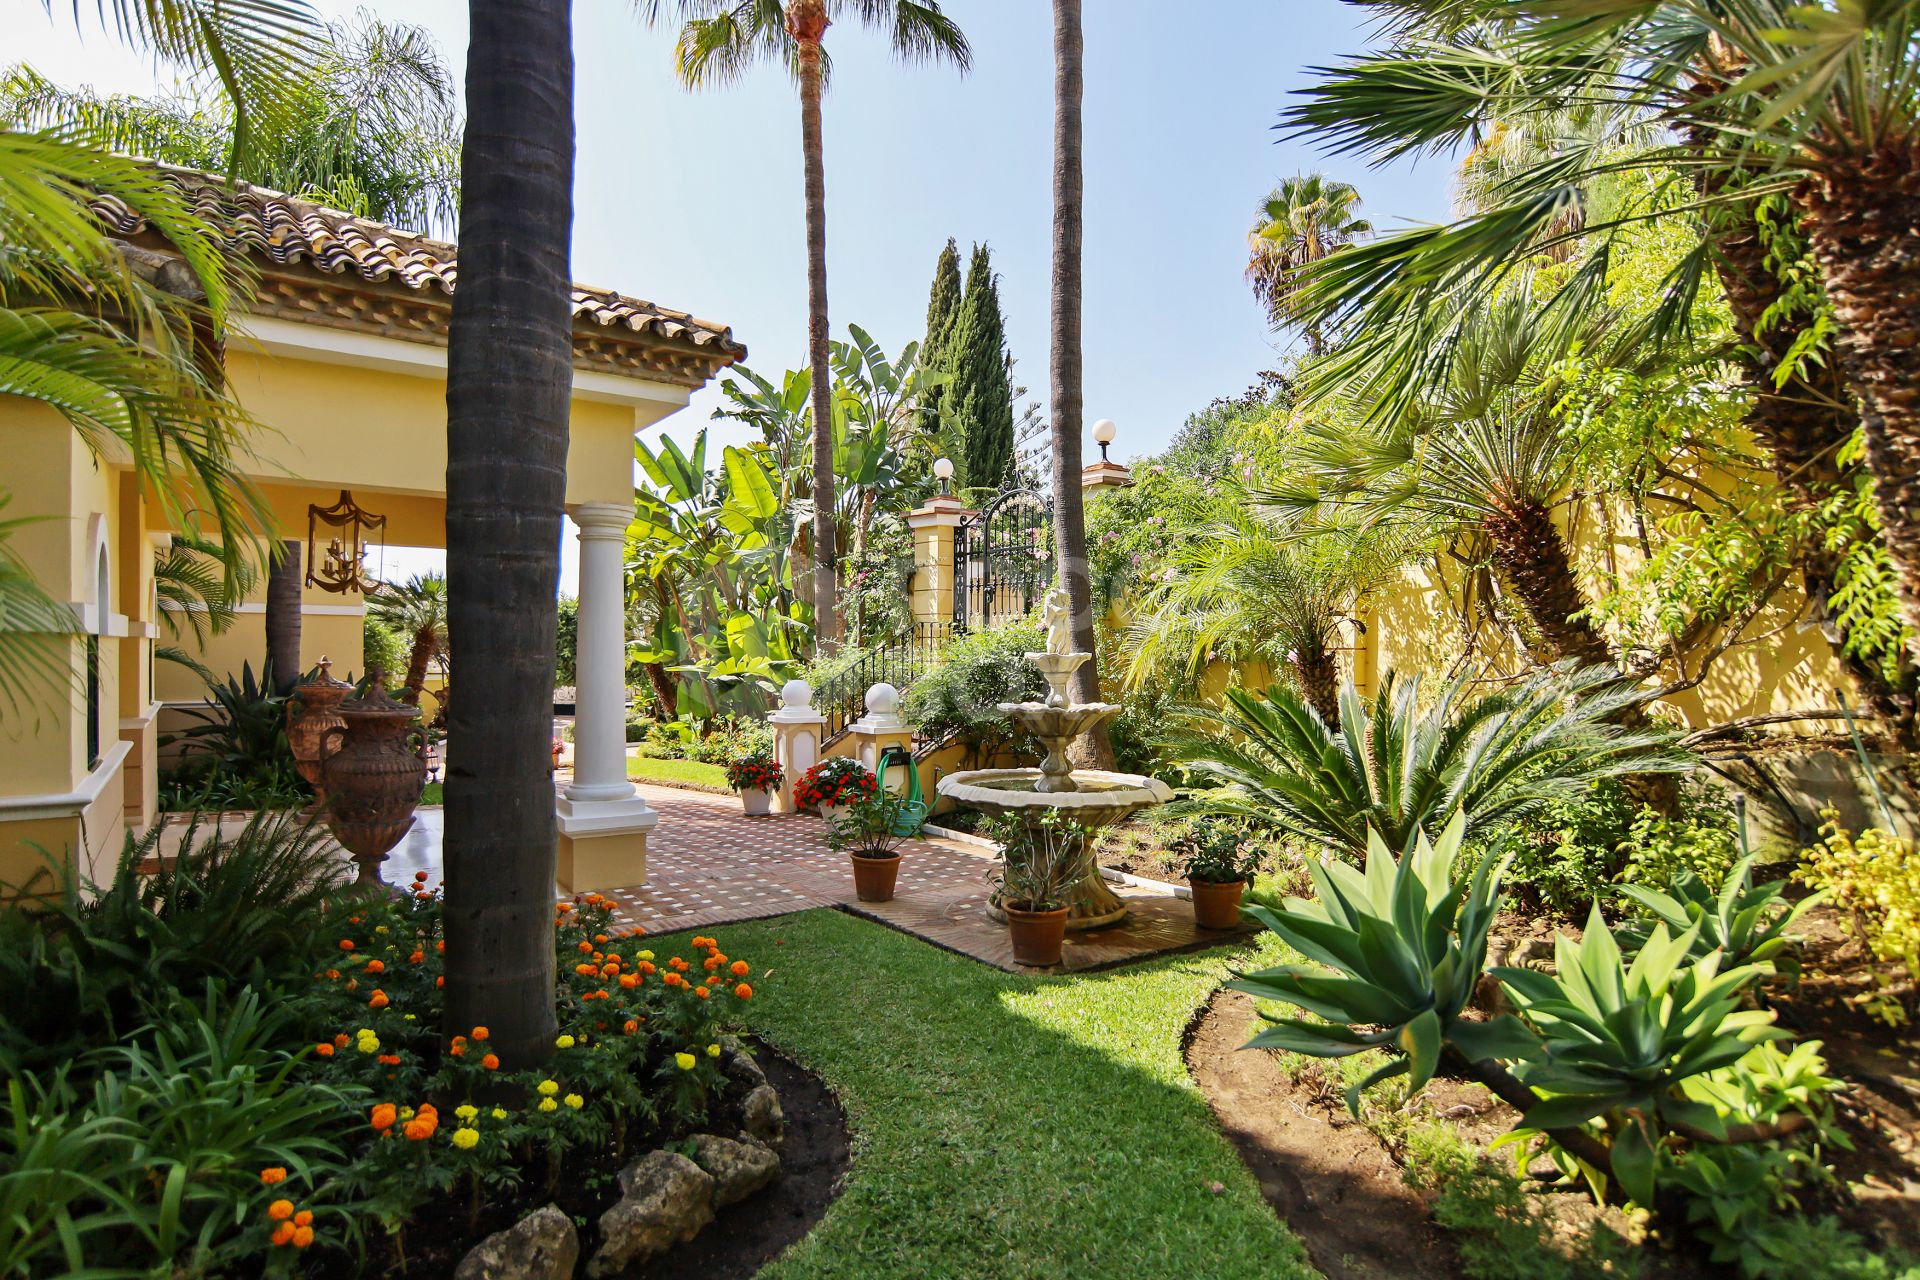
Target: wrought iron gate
x,y
1003,560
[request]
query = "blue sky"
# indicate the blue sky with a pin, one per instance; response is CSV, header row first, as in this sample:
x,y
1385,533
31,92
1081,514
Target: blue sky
x,y
694,200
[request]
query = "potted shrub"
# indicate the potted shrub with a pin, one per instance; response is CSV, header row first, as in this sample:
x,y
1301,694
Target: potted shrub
x,y
868,831
756,776
1219,866
1040,862
833,783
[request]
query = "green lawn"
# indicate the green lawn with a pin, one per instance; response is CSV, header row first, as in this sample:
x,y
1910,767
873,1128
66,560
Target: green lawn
x,y
1007,1127
678,772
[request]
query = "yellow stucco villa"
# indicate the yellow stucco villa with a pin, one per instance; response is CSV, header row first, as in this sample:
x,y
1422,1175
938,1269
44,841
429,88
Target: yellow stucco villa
x,y
342,359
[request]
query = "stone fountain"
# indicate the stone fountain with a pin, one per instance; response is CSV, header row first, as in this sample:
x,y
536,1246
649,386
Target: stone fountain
x,y
1092,798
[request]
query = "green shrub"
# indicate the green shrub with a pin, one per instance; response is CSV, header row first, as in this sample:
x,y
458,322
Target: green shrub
x,y
1480,1203
1589,844
1137,731
383,648
1875,878
959,695
236,755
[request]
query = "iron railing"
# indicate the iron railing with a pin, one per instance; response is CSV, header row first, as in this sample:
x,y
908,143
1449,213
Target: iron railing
x,y
842,697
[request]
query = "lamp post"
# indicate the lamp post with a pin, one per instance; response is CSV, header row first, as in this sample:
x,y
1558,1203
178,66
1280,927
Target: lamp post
x,y
943,471
1103,434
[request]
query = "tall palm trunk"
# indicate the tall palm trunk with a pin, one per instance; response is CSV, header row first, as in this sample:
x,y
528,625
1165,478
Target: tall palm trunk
x,y
1317,671
1532,559
807,23
1865,228
509,380
283,619
1091,750
419,658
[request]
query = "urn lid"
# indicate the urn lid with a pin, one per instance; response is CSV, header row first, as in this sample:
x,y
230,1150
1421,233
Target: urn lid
x,y
376,701
322,678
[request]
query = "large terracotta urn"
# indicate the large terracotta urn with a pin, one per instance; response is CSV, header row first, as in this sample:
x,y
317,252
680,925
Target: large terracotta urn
x,y
373,777
314,709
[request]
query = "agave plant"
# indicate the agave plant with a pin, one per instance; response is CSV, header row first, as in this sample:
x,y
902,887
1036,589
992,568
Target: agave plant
x,y
1621,1040
1407,940
1744,922
1394,770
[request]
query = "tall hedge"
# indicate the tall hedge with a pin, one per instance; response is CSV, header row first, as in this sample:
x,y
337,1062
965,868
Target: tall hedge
x,y
943,314
980,400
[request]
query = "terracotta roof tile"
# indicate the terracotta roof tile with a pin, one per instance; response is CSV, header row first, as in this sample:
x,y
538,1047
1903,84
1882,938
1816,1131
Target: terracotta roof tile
x,y
288,231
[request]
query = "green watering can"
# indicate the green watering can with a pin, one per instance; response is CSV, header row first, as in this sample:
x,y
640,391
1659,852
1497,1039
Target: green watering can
x,y
913,810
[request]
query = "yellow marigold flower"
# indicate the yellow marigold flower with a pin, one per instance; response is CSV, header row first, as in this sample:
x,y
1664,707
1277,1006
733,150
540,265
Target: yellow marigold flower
x,y
498,1113
466,1111
548,1088
564,1042
645,955
466,1139
575,1101
685,1060
713,1051
548,1104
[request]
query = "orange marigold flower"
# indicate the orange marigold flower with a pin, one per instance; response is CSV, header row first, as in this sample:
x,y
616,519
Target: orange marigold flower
x,y
633,1025
346,944
420,1128
702,992
376,966
718,956
608,970
713,962
647,966
480,1033
744,991
324,1048
564,907
384,1114
441,946
674,980
440,981
302,1237
585,948
490,1062
333,975
304,1218
740,968
273,1176
423,895
340,1041
599,939
388,1059
379,1000
280,1210
585,970
421,876
284,1233
677,965
629,980
418,957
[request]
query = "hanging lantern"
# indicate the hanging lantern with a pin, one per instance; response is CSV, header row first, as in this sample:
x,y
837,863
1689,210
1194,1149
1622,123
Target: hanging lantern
x,y
340,566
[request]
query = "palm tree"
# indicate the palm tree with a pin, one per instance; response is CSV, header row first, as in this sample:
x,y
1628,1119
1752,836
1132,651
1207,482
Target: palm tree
x,y
281,671
509,383
1400,768
370,126
1754,100
718,41
1244,589
416,608
195,596
1091,750
1304,219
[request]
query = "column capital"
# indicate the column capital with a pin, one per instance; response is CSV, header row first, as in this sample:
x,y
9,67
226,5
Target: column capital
x,y
602,519
939,510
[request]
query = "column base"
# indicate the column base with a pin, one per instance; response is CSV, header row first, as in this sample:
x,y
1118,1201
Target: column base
x,y
603,844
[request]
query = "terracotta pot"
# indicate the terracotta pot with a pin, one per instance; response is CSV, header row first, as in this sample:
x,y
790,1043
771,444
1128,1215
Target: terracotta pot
x,y
1037,935
373,778
1216,905
873,878
756,802
314,709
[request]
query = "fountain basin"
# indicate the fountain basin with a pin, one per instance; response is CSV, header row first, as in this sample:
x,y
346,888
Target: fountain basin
x,y
1099,798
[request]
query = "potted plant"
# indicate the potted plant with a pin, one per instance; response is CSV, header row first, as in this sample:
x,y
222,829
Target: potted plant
x,y
756,776
868,831
1040,862
834,782
1219,867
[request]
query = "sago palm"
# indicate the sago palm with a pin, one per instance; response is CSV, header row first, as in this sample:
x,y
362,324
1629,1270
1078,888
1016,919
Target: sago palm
x,y
1401,769
1815,103
719,40
1306,218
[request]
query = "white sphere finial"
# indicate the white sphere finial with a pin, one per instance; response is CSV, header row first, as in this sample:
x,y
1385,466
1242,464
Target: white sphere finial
x,y
943,468
796,694
1104,431
883,700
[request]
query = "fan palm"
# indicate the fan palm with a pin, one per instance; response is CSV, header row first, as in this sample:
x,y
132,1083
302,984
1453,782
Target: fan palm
x,y
1306,218
1401,769
1244,589
417,609
1816,104
718,41
195,596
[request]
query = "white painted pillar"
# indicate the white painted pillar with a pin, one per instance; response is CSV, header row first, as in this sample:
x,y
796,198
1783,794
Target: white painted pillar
x,y
600,708
796,739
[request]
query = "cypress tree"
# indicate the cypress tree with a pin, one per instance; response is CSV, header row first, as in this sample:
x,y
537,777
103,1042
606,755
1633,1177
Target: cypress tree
x,y
943,311
979,400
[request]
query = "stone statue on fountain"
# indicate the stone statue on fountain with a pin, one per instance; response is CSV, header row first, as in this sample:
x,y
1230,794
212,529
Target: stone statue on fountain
x,y
1057,612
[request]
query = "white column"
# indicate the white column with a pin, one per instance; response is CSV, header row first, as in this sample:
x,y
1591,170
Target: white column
x,y
796,739
600,708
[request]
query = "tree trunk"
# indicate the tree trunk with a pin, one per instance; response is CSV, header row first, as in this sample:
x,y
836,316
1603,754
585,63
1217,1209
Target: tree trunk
x,y
509,380
1864,223
664,693
1317,672
1091,750
807,23
419,658
1532,557
283,620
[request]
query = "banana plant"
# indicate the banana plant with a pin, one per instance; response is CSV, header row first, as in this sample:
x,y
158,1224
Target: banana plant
x,y
1406,940
1620,1041
1745,922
